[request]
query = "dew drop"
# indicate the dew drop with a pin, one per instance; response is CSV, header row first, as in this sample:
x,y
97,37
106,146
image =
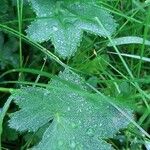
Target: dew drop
x,y
80,110
79,122
90,132
44,15
47,136
46,93
68,108
55,28
107,107
73,125
72,144
60,143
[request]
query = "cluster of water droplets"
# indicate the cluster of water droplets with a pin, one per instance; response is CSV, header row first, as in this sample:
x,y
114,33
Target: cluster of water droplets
x,y
43,8
34,109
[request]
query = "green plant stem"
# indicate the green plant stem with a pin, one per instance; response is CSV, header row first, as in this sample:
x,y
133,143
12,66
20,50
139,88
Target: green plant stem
x,y
146,29
28,70
38,77
19,11
7,90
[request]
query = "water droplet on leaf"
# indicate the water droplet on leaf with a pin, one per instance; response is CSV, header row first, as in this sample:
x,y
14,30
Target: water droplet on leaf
x,y
72,144
90,132
60,143
55,28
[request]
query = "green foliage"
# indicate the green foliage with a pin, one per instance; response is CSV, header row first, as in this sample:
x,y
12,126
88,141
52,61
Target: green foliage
x,y
6,12
8,133
78,122
3,7
64,22
71,112
8,55
96,65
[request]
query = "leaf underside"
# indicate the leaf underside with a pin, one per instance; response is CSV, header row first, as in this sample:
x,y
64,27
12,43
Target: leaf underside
x,y
64,22
78,122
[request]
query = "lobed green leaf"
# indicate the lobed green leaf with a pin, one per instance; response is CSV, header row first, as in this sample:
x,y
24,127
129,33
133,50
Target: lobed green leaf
x,y
78,121
64,22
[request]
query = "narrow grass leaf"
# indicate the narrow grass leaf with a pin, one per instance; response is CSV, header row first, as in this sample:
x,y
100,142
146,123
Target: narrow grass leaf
x,y
129,40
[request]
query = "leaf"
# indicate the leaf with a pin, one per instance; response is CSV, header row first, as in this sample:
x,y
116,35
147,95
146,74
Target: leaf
x,y
3,7
129,40
64,22
78,122
8,55
6,11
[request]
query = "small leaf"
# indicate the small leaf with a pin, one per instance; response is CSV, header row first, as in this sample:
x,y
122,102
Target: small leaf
x,y
64,22
78,122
